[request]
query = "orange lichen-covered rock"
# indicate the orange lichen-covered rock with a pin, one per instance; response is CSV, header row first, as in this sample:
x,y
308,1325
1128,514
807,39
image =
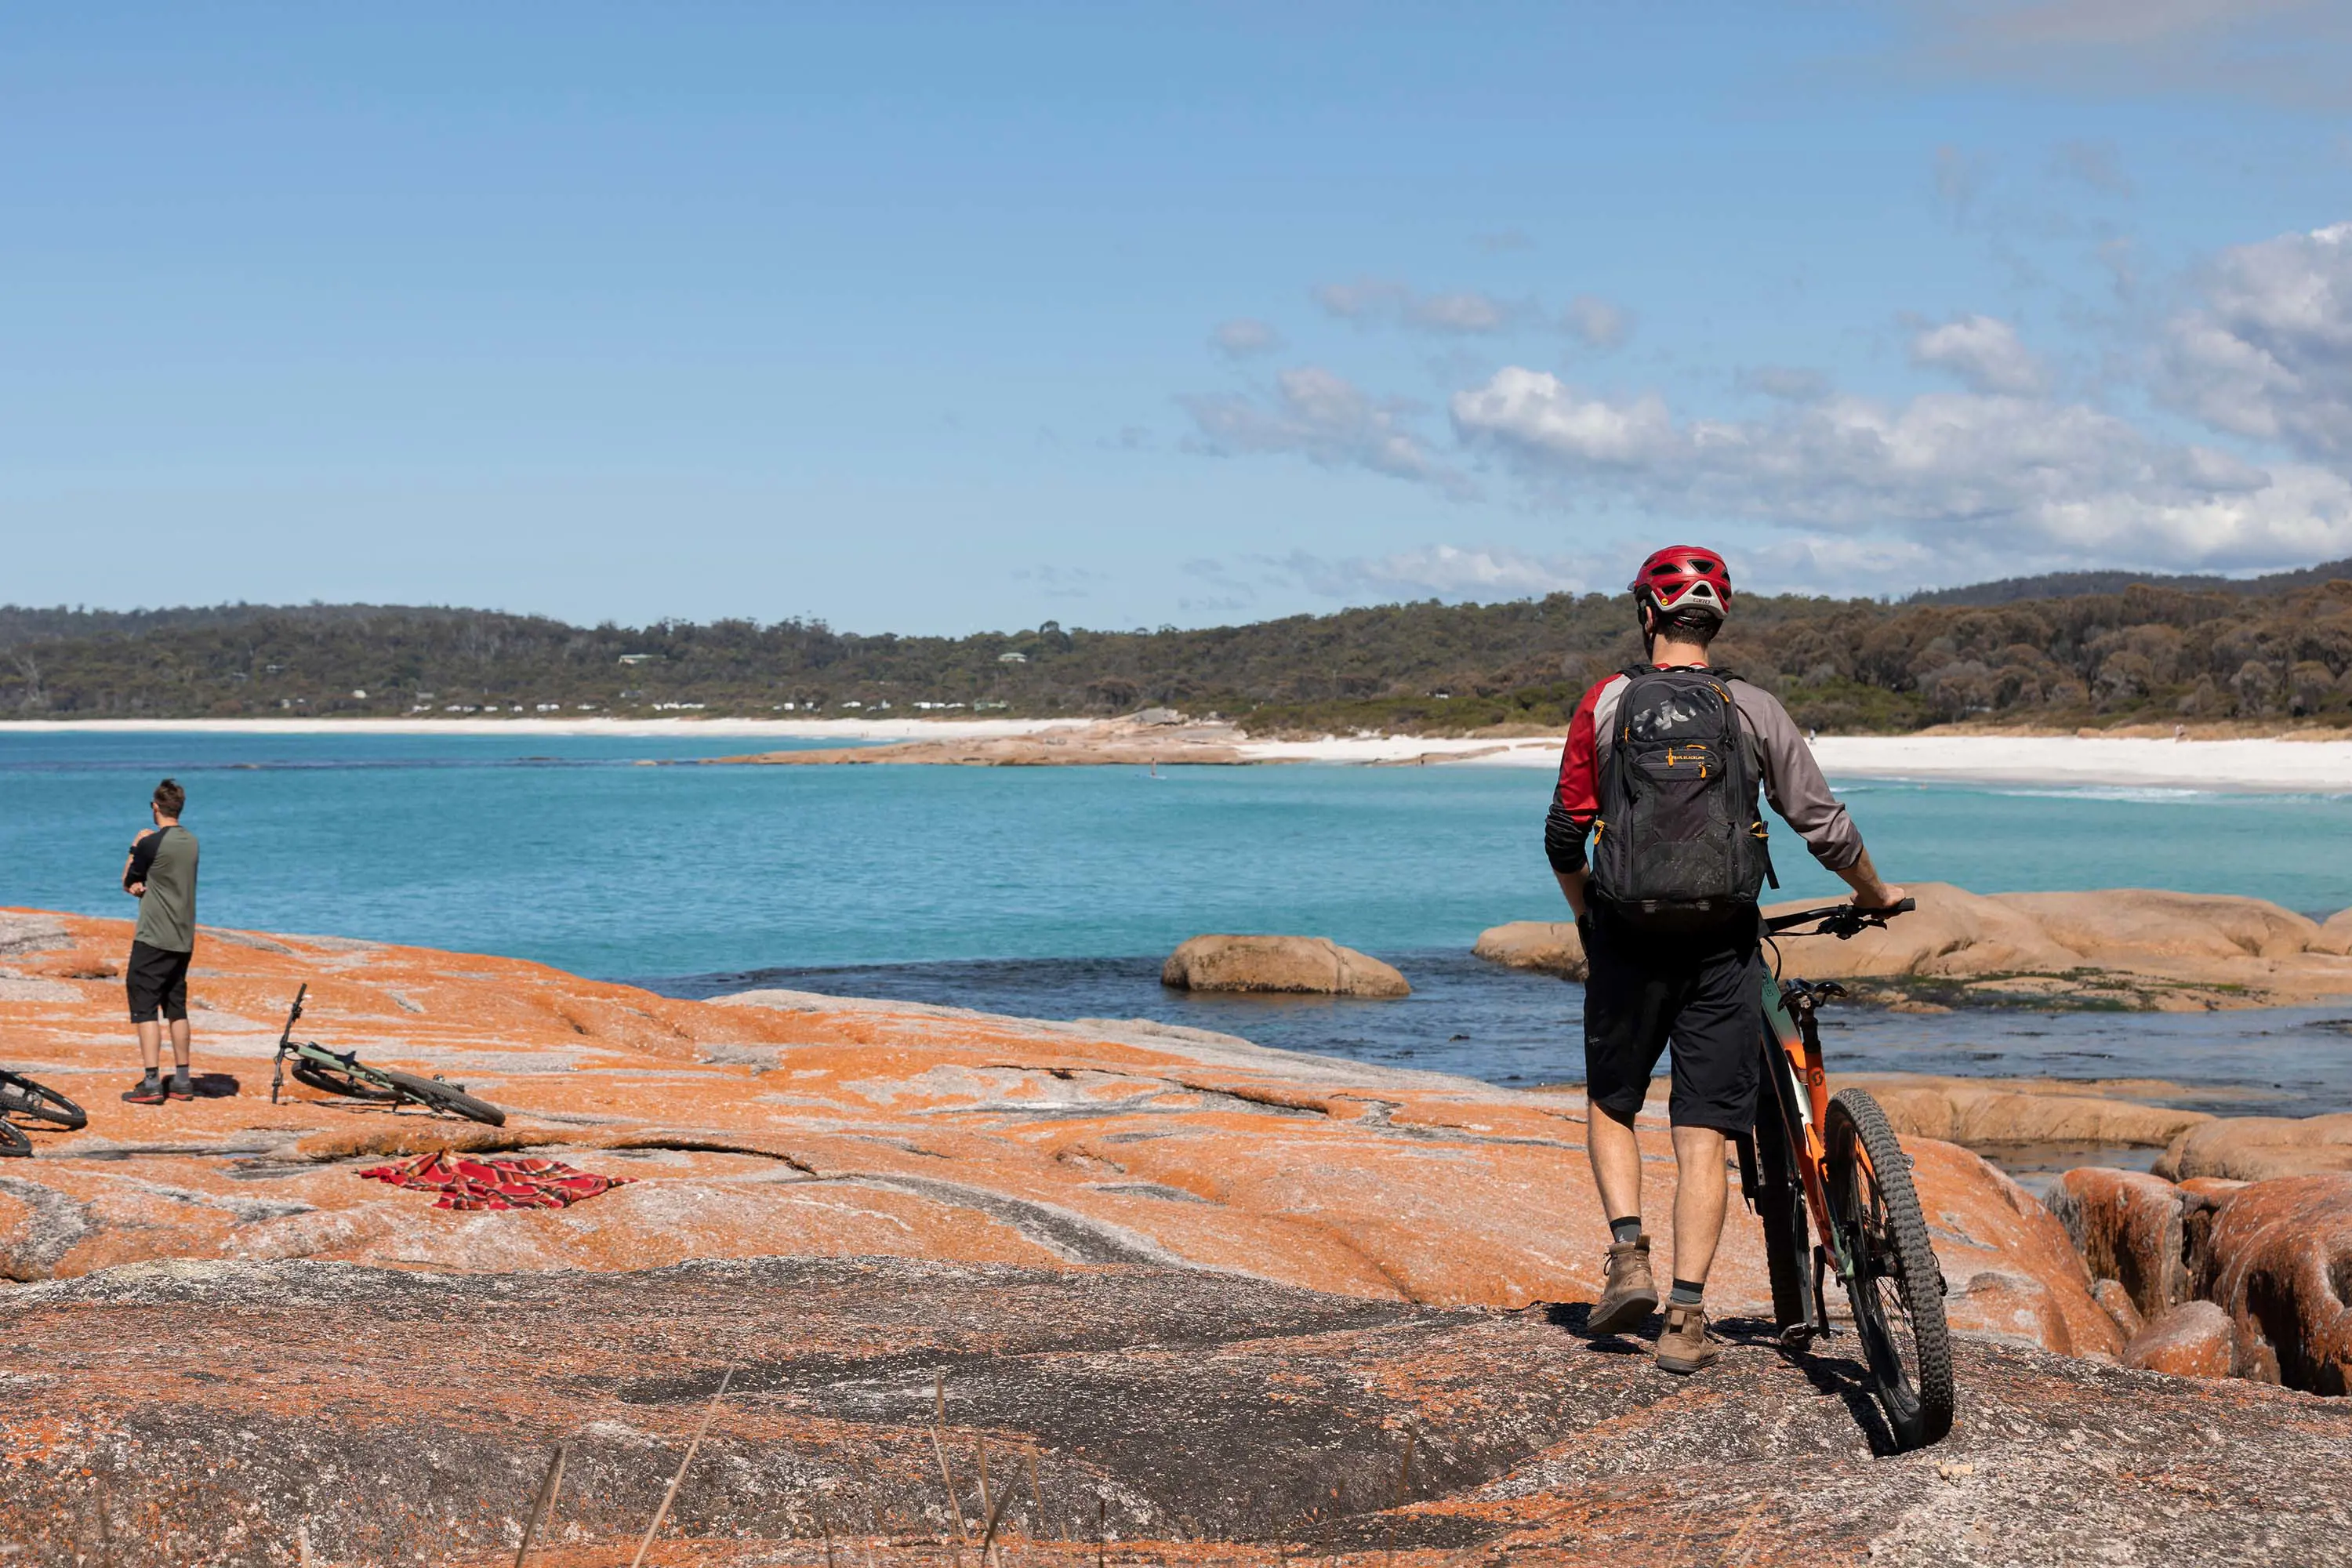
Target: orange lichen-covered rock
x,y
2012,1269
2259,1148
2118,1303
2280,1263
2192,1340
783,1123
1314,964
2128,1226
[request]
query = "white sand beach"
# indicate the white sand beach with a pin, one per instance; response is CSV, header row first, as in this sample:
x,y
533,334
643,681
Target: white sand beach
x,y
2290,766
2278,765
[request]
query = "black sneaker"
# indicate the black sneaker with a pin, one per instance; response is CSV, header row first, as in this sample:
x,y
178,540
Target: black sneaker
x,y
147,1091
179,1091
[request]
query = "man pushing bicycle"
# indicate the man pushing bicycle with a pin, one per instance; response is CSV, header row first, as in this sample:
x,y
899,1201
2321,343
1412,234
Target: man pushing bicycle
x,y
1662,769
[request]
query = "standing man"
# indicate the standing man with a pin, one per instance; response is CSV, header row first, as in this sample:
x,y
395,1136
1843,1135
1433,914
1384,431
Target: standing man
x,y
1662,769
161,873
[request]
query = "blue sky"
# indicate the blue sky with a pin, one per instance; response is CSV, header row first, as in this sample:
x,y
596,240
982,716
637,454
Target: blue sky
x,y
933,318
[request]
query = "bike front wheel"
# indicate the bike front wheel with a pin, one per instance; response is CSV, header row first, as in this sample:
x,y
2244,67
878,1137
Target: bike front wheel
x,y
20,1095
436,1095
335,1081
1897,1286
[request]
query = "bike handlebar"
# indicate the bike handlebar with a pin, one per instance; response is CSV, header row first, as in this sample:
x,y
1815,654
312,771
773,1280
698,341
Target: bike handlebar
x,y
293,1016
1841,921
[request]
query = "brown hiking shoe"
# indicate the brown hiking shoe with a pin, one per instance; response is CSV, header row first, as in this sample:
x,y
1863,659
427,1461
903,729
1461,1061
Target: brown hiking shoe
x,y
1630,1296
1685,1345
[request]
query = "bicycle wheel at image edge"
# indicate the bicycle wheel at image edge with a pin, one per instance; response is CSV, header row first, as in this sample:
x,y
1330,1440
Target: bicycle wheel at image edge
x,y
1897,1291
13,1144
441,1096
22,1097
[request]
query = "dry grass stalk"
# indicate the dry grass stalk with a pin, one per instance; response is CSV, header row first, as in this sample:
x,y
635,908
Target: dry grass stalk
x,y
1102,1509
671,1496
990,1535
980,1451
1036,1493
939,1447
825,1525
542,1505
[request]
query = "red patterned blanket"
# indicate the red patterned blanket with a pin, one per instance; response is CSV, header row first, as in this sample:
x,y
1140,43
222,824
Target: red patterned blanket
x,y
466,1184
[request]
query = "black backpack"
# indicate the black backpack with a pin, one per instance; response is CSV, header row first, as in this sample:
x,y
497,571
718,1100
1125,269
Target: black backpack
x,y
1680,844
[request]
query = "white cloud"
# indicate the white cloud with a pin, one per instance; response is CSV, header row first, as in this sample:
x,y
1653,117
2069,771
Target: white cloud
x,y
1439,571
1462,312
1991,473
2269,352
1596,322
1983,351
1324,417
1243,336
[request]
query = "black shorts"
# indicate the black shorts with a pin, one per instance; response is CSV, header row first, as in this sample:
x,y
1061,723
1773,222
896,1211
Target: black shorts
x,y
1702,990
157,979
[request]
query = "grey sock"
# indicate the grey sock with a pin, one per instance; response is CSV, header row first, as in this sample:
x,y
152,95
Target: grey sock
x,y
1624,1230
1686,1294
151,1080
179,1077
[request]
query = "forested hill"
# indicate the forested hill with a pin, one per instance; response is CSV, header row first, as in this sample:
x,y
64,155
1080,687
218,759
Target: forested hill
x,y
2145,652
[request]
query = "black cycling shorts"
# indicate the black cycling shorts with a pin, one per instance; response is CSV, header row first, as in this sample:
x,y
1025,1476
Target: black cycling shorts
x,y
157,979
1703,990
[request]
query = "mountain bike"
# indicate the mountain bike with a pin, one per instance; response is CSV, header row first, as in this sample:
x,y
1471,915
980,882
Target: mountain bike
x,y
342,1073
1836,1159
20,1095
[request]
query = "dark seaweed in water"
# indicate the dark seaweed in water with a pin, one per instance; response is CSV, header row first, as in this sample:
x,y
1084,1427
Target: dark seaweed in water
x,y
1508,1026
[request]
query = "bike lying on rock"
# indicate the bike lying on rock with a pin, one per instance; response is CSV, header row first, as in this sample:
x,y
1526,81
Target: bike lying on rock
x,y
342,1073
1837,1158
20,1095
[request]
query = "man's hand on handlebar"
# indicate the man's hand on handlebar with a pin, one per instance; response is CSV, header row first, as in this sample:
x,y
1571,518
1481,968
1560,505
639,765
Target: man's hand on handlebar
x,y
1885,895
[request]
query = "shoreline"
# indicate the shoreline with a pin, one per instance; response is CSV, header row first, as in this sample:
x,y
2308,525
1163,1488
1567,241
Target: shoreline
x,y
2278,765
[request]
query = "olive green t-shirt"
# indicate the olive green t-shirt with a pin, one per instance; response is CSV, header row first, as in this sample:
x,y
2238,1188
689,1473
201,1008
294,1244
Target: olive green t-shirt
x,y
167,909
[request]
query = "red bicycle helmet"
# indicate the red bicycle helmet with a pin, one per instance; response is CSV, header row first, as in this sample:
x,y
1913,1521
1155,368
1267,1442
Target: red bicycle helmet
x,y
1683,578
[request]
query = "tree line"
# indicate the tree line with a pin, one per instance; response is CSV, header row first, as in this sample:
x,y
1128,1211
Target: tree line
x,y
2149,651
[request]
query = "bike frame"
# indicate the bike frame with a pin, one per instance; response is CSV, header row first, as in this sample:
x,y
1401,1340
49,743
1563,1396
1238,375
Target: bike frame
x,y
1793,1152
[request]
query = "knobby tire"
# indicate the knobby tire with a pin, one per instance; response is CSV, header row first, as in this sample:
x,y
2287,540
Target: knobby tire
x,y
13,1144
1878,1209
20,1095
438,1096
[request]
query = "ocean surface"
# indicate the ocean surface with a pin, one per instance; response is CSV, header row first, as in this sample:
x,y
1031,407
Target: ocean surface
x,y
1055,893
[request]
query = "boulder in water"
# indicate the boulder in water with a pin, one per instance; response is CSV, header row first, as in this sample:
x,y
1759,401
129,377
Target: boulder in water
x,y
2259,1148
1315,965
1550,947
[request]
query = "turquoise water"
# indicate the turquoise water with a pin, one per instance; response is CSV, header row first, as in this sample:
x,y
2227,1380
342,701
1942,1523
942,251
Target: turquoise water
x,y
567,851
563,850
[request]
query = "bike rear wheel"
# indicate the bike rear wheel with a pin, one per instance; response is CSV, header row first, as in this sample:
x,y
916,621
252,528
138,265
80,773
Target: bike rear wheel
x,y
13,1144
433,1093
20,1095
1897,1289
1780,1205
